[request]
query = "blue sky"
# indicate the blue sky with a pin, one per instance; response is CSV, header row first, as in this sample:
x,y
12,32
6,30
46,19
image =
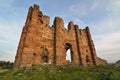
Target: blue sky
x,y
102,17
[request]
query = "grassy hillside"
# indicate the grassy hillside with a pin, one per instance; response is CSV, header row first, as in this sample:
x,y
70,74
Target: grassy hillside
x,y
68,72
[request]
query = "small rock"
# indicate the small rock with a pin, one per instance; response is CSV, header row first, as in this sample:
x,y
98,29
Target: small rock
x,y
28,70
40,69
52,72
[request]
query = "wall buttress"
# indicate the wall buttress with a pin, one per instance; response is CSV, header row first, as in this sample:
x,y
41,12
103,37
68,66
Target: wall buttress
x,y
77,43
90,45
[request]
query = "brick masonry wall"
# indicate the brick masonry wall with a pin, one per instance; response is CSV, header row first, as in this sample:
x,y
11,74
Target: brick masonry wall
x,y
42,44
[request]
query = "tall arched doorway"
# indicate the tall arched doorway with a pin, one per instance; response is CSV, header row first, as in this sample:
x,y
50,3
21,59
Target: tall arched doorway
x,y
69,53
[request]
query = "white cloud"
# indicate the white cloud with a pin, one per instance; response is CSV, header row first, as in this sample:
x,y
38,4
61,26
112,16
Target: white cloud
x,y
106,29
84,8
79,9
7,55
9,38
114,7
108,42
79,22
107,46
10,31
106,35
106,32
11,23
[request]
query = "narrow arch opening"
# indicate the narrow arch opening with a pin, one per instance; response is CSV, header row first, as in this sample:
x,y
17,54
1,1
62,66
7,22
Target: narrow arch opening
x,y
87,60
69,53
44,55
34,58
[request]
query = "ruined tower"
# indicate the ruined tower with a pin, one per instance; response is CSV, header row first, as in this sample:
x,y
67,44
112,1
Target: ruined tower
x,y
44,44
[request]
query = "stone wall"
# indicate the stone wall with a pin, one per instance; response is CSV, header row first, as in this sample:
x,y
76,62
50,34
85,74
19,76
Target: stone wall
x,y
44,44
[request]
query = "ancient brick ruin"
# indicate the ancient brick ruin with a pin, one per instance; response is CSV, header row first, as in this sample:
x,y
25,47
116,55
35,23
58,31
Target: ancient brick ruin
x,y
44,44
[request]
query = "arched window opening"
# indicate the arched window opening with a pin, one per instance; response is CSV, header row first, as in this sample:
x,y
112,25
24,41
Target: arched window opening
x,y
69,53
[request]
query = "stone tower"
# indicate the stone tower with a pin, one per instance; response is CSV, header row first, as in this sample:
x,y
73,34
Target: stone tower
x,y
44,44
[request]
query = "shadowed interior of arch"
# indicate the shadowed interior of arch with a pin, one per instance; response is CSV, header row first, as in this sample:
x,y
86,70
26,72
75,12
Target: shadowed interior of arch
x,y
44,55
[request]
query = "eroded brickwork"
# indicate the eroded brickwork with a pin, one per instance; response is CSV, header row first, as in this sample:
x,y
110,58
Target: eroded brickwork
x,y
44,44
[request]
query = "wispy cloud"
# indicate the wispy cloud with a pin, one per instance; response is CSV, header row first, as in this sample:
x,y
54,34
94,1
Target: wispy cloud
x,y
7,55
83,9
9,38
79,22
10,30
80,9
108,42
106,30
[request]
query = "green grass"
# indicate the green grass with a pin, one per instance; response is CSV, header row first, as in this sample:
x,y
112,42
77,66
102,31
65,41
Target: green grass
x,y
67,72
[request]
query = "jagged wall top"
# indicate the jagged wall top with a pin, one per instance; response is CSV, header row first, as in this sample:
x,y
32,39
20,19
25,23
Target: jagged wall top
x,y
36,16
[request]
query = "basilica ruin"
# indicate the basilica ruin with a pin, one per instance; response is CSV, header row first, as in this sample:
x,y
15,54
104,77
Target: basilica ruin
x,y
41,43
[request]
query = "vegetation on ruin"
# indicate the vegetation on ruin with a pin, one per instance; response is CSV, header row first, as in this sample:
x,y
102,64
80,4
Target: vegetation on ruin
x,y
67,72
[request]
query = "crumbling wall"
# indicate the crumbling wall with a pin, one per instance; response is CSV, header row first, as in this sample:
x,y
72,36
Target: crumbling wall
x,y
42,44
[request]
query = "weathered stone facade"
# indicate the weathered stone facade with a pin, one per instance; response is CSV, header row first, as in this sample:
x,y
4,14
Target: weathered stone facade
x,y
42,44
